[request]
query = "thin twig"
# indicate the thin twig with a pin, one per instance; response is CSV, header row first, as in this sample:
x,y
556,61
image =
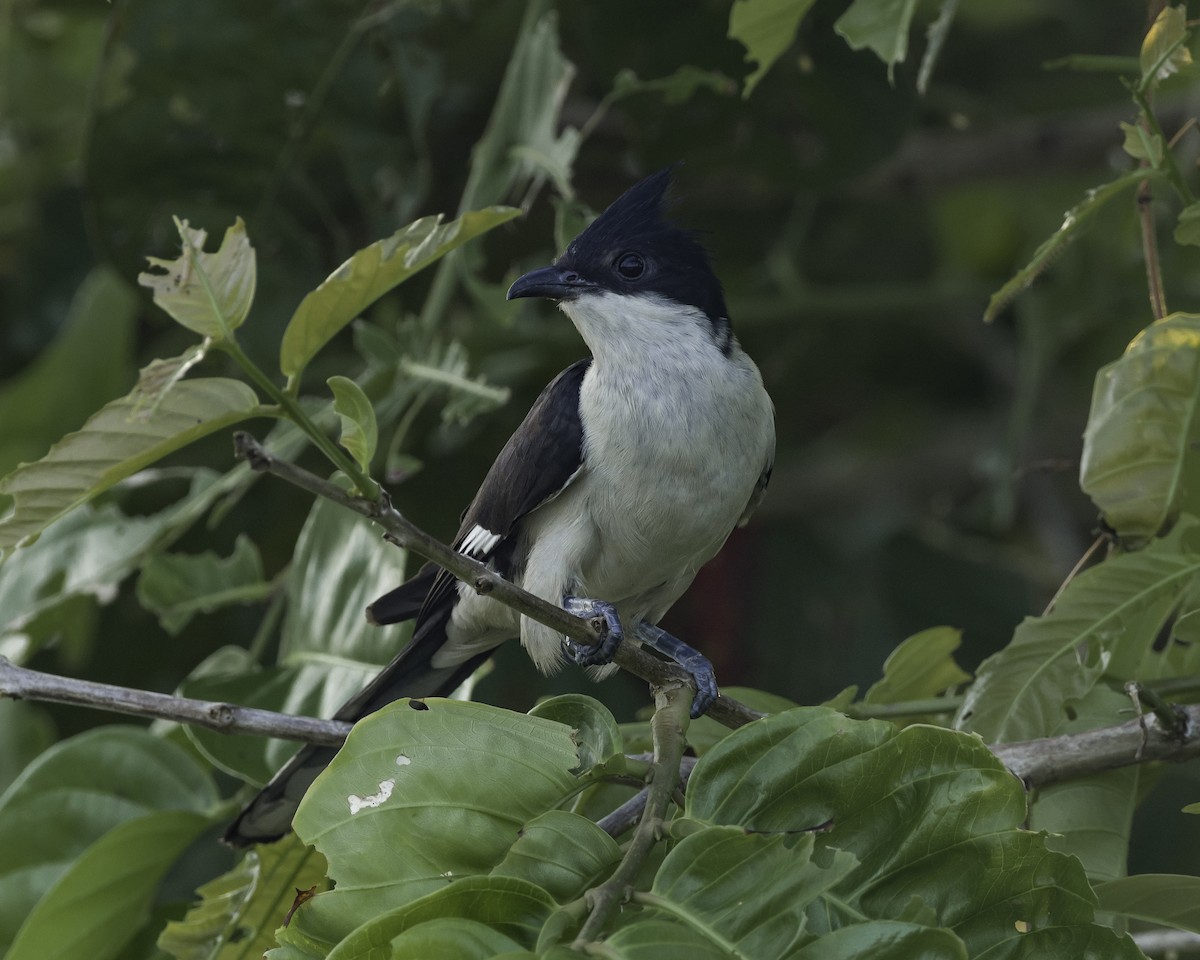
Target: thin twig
x,y
668,727
1079,564
20,683
629,813
629,656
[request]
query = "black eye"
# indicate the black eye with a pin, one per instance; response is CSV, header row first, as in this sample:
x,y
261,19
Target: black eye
x,y
630,266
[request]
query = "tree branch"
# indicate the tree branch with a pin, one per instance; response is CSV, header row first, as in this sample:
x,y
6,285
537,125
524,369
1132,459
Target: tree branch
x,y
20,683
1036,762
399,530
1141,740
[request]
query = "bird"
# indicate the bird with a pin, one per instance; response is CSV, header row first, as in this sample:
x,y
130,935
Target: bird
x,y
628,473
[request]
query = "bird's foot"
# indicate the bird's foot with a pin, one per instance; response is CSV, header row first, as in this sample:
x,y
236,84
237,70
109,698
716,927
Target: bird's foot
x,y
604,616
691,659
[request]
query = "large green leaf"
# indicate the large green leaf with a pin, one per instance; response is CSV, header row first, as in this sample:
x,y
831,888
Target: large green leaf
x,y
69,799
885,940
1113,610
25,731
104,897
563,853
1091,817
418,797
239,911
714,881
766,28
512,908
371,273
119,440
209,293
1166,899
1139,459
340,565
932,817
93,353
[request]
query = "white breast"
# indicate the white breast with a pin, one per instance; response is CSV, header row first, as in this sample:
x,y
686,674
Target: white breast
x,y
676,435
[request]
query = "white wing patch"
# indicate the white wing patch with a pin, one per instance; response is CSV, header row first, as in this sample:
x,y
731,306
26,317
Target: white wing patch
x,y
479,542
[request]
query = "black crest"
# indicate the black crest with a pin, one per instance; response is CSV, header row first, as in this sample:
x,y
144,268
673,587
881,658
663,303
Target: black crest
x,y
633,247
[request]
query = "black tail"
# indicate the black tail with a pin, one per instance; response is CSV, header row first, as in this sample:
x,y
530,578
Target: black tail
x,y
411,674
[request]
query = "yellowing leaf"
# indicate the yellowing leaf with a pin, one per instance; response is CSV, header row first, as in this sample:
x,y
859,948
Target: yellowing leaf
x,y
1163,50
209,293
359,431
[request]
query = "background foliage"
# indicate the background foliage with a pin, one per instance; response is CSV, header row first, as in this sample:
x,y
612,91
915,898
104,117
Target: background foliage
x,y
863,200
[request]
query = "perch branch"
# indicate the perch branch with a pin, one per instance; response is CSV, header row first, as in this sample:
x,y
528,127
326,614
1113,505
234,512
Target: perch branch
x,y
399,530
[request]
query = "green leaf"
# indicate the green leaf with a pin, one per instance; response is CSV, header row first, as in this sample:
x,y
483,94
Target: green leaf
x,y
525,139
563,853
1138,458
1049,250
371,273
93,353
1023,691
1163,49
930,815
881,25
104,897
886,940
1091,817
25,731
360,434
595,730
417,778
47,590
1169,900
446,367
231,675
209,293
766,28
175,587
662,940
457,937
1141,144
922,666
340,565
71,797
675,88
239,910
119,440
1187,227
513,908
714,881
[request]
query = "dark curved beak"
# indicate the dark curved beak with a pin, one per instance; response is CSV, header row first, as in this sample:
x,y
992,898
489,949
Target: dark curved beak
x,y
553,283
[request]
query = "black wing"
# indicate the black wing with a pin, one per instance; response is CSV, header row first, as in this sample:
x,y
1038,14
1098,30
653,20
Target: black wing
x,y
540,459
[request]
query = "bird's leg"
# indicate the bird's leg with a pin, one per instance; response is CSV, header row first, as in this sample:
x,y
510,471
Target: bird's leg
x,y
610,637
691,659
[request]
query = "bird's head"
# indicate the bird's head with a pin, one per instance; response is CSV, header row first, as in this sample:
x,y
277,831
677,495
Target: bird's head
x,y
632,257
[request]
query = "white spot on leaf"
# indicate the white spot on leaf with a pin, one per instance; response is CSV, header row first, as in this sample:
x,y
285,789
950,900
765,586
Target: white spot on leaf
x,y
358,803
403,761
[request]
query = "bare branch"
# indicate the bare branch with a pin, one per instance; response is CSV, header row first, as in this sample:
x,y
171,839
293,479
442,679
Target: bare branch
x,y
629,656
1144,739
19,683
